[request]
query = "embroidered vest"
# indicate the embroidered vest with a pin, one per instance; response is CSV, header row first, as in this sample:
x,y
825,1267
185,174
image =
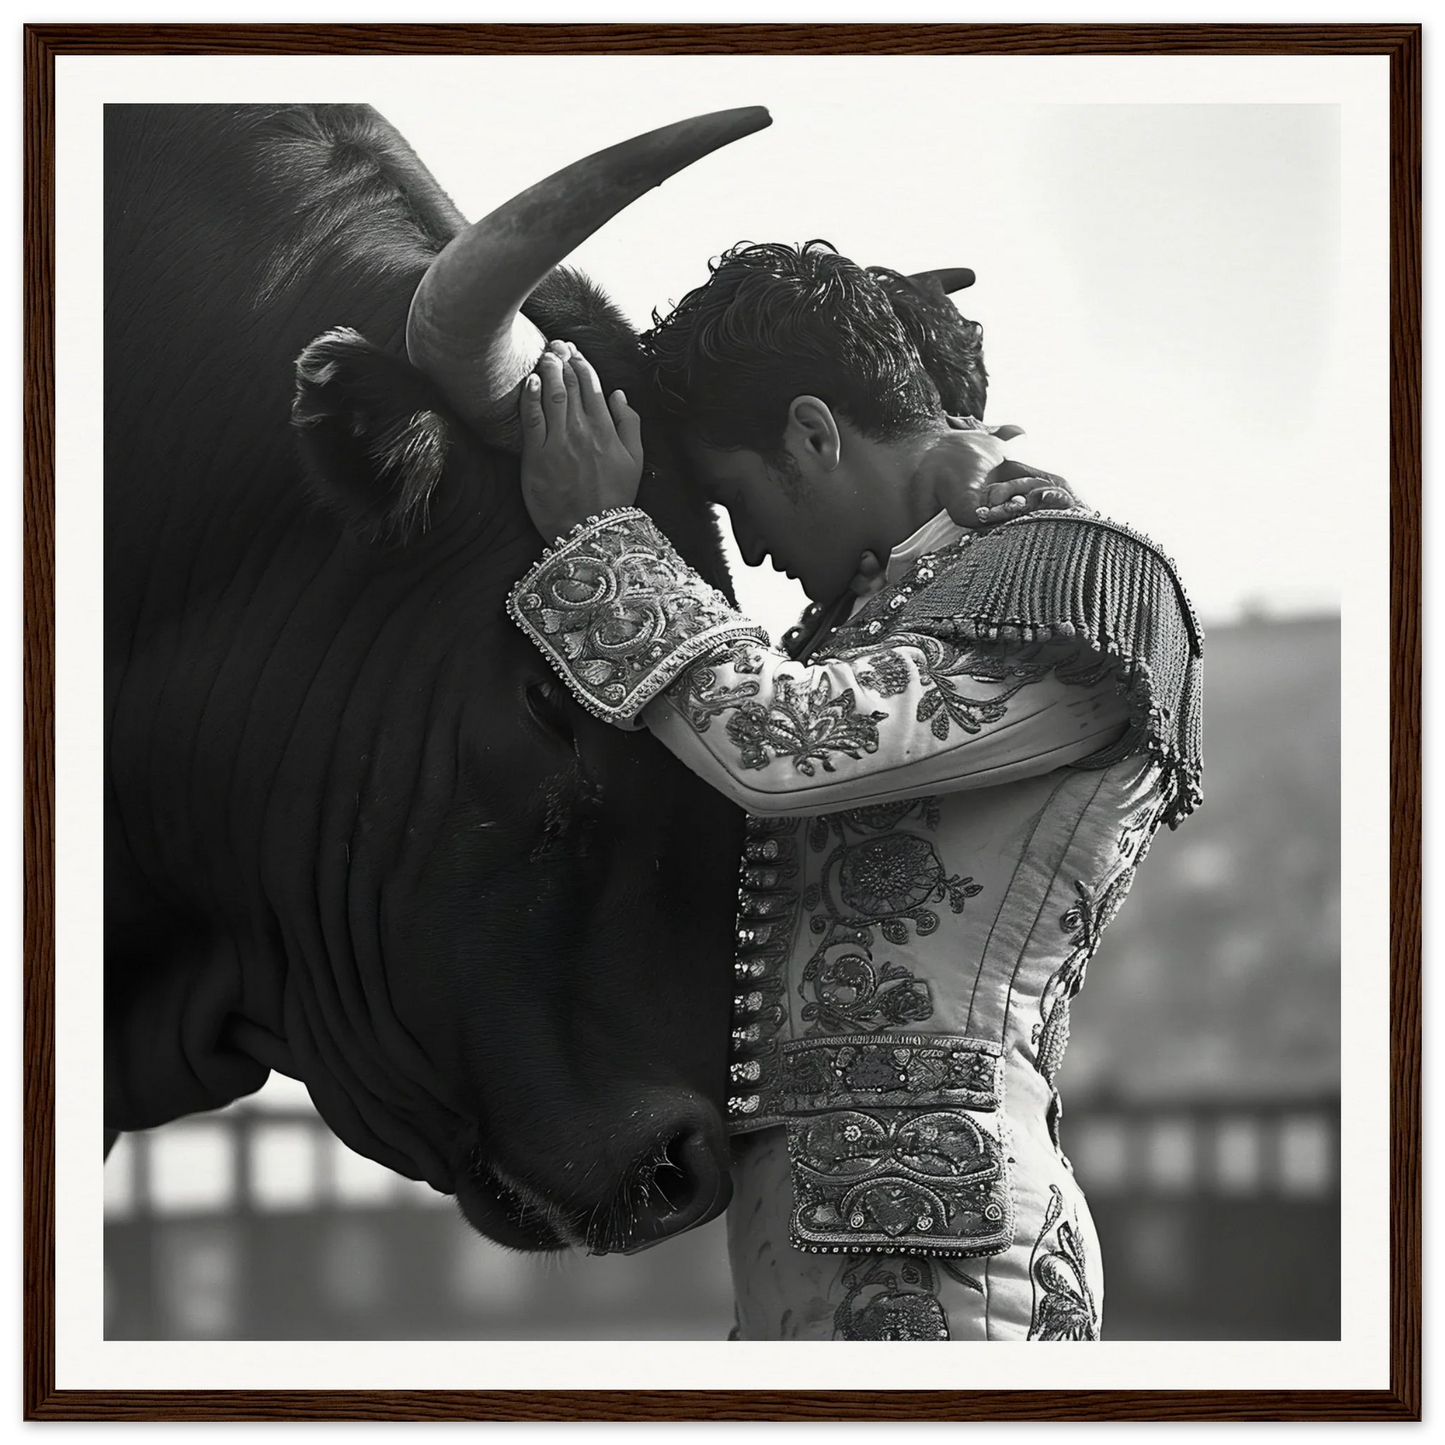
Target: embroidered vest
x,y
905,970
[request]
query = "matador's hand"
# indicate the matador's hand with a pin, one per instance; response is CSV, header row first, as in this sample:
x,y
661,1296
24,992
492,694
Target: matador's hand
x,y
581,451
967,473
972,482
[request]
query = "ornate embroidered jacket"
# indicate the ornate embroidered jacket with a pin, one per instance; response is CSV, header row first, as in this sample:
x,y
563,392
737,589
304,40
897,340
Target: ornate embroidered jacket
x,y
947,804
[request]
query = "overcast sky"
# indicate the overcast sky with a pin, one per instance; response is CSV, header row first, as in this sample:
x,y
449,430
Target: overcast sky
x,y
1157,284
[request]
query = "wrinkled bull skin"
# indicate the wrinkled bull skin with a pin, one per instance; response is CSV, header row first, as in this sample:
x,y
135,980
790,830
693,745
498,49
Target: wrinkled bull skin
x,y
353,831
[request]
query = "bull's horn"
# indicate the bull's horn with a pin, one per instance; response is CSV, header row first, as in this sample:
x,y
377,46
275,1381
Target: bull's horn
x,y
951,278
464,329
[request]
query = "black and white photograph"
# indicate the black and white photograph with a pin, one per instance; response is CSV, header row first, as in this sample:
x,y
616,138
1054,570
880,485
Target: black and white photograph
x,y
722,717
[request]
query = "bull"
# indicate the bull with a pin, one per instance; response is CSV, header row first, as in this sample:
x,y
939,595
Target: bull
x,y
354,832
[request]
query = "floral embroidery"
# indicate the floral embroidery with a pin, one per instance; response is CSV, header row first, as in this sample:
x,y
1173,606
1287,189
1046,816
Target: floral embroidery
x,y
700,698
889,1299
941,705
888,674
619,614
851,995
1083,922
1064,1307
891,878
806,724
941,664
883,883
924,1181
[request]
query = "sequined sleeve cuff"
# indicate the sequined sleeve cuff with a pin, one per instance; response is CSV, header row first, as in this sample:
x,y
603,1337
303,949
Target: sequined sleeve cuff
x,y
619,614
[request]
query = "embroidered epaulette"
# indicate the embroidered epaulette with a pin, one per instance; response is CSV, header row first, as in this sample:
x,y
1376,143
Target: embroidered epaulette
x,y
1053,575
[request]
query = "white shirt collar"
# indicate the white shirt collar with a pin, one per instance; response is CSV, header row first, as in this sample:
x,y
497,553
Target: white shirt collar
x,y
935,533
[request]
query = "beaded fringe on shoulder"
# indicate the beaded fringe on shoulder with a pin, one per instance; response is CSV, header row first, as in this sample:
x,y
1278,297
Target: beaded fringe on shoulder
x,y
1053,575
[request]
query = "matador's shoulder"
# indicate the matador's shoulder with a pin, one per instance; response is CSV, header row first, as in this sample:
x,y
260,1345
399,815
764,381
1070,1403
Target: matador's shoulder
x,y
1050,576
1057,574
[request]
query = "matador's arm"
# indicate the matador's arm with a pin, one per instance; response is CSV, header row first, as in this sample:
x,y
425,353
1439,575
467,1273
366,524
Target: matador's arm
x,y
928,698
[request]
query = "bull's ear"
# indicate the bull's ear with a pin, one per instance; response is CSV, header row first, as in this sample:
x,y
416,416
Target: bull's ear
x,y
949,345
373,432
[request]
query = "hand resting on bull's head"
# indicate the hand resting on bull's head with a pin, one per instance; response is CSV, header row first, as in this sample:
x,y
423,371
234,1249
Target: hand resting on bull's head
x,y
581,448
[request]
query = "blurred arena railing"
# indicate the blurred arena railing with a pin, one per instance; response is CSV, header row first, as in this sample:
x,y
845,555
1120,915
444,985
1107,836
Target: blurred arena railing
x,y
1216,1221
256,1222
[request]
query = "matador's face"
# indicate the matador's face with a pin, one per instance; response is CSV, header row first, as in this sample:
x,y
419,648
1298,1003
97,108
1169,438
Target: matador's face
x,y
814,533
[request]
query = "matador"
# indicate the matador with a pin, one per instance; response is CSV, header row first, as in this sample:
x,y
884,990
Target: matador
x,y
949,788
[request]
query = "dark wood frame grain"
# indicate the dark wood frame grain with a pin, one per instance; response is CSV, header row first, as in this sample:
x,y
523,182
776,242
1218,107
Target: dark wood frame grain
x,y
1401,1401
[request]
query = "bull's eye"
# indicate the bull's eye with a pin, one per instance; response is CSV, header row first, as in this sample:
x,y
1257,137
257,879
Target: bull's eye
x,y
547,703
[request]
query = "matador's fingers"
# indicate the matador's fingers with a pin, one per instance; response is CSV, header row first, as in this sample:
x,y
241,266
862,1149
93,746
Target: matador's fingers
x,y
534,423
554,390
589,385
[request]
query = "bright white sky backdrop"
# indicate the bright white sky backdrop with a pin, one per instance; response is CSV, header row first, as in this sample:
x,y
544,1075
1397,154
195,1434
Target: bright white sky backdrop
x,y
1157,284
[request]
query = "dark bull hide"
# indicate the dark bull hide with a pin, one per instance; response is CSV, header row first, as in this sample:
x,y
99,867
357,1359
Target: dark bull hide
x,y
354,832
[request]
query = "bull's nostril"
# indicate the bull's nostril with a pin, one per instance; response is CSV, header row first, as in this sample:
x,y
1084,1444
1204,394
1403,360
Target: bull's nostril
x,y
686,1169
672,1184
686,1185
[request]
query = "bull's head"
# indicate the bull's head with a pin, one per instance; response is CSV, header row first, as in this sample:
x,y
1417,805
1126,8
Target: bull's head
x,y
556,916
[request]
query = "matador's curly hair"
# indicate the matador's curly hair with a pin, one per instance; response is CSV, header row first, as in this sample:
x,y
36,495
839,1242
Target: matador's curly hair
x,y
773,322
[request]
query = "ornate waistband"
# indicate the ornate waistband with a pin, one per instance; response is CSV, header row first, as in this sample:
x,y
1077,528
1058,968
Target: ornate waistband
x,y
897,1144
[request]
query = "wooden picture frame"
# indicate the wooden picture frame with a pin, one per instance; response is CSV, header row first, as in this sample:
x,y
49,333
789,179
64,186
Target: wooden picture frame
x,y
1401,44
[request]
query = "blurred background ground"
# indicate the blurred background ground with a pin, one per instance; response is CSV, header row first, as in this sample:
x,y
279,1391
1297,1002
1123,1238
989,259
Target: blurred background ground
x,y
1201,1093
